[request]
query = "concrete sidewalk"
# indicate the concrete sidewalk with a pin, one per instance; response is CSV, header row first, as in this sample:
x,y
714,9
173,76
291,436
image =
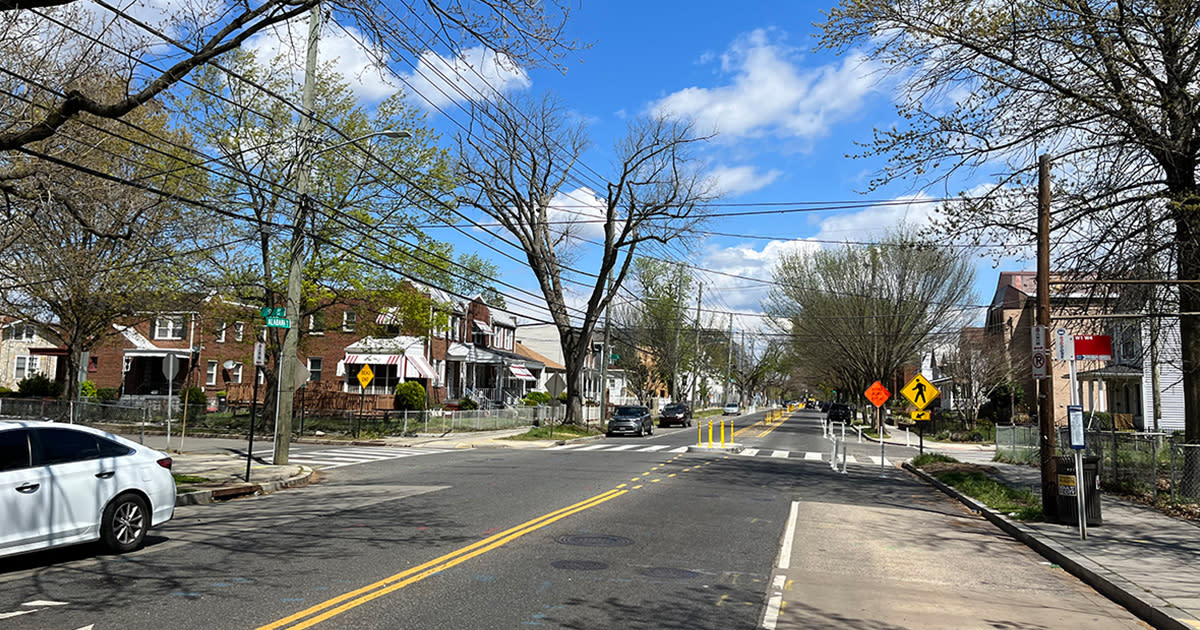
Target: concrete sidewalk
x,y
1140,558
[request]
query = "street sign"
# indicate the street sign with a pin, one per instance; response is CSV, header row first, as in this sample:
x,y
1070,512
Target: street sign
x,y
1038,359
260,353
365,376
1064,345
877,394
920,392
170,367
279,322
920,416
1093,348
1038,334
556,386
267,311
1075,423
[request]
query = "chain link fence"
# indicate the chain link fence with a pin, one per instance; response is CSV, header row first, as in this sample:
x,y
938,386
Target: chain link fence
x,y
1017,444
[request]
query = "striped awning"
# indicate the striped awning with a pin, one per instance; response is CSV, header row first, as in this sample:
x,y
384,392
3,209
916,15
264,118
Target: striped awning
x,y
521,372
375,359
483,327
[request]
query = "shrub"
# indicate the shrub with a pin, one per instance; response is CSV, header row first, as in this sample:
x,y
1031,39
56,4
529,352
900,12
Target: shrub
x,y
562,398
6,392
87,389
532,399
410,396
39,386
107,394
192,396
467,404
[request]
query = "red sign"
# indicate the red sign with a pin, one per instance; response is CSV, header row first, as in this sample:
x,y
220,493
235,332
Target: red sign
x,y
878,394
1093,348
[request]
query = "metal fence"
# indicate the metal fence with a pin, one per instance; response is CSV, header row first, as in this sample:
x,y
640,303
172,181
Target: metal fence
x,y
1017,444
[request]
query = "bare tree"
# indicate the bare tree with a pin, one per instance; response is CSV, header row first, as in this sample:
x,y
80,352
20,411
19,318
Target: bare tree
x,y
976,369
858,314
1108,88
519,155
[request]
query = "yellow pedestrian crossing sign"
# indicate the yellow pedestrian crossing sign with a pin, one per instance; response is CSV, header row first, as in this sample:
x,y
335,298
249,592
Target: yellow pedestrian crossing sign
x,y
365,376
920,392
921,416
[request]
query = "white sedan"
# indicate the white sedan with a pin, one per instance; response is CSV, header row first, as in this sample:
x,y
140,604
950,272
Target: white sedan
x,y
63,484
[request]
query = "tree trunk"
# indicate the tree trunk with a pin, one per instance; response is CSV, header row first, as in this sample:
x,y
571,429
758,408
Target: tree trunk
x,y
574,355
1187,225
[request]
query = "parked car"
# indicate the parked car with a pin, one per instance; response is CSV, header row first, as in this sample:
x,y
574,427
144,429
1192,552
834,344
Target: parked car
x,y
839,412
631,420
731,409
69,484
675,413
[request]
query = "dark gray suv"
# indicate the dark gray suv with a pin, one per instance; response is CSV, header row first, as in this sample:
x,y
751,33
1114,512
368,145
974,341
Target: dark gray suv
x,y
631,420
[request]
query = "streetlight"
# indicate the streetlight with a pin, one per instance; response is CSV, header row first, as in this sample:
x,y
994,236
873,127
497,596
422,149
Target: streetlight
x,y
288,363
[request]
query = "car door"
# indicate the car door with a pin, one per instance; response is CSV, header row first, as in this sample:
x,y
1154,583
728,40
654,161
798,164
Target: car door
x,y
24,495
81,482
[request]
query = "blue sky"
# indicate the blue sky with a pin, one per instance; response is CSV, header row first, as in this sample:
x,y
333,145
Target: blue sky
x,y
784,117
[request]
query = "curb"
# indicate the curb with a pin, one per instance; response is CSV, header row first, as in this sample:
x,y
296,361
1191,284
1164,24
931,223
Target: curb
x,y
1132,597
212,495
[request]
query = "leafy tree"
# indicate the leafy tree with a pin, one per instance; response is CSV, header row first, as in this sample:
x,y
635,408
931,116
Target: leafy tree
x,y
657,319
1106,87
857,314
522,153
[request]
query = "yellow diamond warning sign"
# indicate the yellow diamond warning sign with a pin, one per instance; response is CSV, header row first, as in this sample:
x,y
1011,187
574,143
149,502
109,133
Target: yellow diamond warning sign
x,y
920,392
365,376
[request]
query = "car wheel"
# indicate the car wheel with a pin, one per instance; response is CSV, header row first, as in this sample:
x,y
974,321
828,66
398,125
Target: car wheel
x,y
124,523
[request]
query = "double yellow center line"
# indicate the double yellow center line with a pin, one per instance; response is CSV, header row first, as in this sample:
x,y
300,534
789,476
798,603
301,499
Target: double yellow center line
x,y
330,608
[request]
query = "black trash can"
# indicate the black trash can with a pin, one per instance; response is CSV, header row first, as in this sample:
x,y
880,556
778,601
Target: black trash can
x,y
1068,511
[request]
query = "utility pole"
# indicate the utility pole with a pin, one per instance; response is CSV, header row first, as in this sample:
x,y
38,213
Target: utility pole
x,y
1046,383
696,357
678,302
728,362
606,355
288,363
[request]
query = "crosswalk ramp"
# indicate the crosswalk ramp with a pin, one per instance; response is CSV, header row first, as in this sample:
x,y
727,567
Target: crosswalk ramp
x,y
812,456
327,459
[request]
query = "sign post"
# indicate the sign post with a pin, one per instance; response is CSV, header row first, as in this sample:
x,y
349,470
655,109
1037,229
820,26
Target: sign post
x,y
170,368
878,394
365,376
920,392
1075,423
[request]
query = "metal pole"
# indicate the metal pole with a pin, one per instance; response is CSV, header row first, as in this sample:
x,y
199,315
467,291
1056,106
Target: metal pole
x,y
882,443
1081,487
696,359
291,338
253,404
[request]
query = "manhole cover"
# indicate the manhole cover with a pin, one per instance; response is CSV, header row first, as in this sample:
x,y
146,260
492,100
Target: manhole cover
x,y
668,573
595,540
579,565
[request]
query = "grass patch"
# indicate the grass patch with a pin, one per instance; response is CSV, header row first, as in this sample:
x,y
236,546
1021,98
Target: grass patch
x,y
707,413
1020,504
189,478
559,432
929,458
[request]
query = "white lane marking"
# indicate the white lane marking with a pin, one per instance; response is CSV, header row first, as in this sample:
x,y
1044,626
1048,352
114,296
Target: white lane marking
x,y
774,604
850,459
789,534
565,447
595,447
779,454
44,602
681,449
18,613
651,449
811,456
624,447
750,452
876,460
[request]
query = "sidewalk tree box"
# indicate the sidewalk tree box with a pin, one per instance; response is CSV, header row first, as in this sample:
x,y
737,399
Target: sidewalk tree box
x,y
1066,487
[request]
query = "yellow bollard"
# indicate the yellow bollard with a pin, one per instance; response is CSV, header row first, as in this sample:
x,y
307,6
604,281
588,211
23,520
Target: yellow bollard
x,y
710,434
700,434
722,434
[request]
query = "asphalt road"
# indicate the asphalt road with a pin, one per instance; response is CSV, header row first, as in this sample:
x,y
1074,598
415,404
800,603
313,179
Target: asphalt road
x,y
570,538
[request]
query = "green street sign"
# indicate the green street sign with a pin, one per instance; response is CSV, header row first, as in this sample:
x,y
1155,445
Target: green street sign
x,y
269,312
615,357
278,322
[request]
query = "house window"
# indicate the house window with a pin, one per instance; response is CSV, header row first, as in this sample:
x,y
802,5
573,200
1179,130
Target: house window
x,y
221,332
314,369
210,374
349,319
93,364
239,331
25,367
235,374
23,332
168,328
316,324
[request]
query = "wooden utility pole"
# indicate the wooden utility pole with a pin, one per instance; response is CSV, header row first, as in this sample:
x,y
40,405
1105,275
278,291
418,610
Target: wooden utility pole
x,y
1046,383
696,357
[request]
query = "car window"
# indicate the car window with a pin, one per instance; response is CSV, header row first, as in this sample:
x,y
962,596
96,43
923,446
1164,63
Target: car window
x,y
109,448
59,446
14,450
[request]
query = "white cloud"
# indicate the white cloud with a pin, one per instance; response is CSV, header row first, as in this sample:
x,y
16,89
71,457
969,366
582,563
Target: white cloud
x,y
770,94
738,180
580,211
476,73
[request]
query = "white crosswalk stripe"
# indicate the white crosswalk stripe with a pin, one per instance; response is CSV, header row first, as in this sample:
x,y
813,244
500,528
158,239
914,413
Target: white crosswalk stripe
x,y
326,459
749,452
811,456
780,454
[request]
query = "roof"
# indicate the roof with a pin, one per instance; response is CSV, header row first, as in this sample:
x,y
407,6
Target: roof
x,y
524,351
